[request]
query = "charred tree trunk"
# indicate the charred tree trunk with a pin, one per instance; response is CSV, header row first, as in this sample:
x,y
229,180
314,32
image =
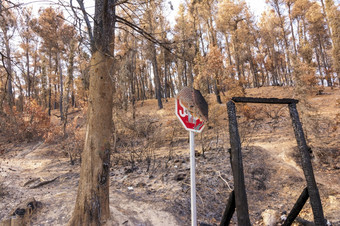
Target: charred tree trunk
x,y
217,91
61,88
28,71
92,203
69,86
10,96
49,82
156,77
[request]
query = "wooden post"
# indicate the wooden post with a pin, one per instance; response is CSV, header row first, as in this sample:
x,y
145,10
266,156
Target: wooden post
x,y
229,210
307,167
237,168
297,208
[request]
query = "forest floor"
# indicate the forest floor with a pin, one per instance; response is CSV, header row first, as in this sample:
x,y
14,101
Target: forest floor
x,y
150,173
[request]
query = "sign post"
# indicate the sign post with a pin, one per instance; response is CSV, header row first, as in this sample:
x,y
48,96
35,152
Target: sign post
x,y
192,124
193,179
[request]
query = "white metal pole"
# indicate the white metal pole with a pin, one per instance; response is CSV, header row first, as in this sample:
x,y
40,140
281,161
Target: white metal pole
x,y
192,179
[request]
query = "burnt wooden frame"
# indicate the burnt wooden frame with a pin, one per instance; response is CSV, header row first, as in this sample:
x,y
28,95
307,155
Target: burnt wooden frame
x,y
239,192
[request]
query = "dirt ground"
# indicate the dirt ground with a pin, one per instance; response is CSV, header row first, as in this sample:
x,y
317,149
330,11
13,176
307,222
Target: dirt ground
x,y
150,173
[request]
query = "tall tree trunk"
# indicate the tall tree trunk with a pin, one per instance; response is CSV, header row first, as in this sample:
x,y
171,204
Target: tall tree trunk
x,y
28,69
50,82
92,203
61,87
332,19
228,50
291,27
319,65
325,64
156,77
236,52
10,96
69,84
190,75
49,96
33,82
44,85
217,91
166,88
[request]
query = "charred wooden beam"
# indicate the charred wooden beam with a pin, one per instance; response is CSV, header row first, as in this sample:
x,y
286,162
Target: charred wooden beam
x,y
307,167
297,207
229,210
263,100
237,168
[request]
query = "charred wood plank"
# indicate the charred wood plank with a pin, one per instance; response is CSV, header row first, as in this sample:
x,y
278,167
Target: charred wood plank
x,y
307,167
237,168
229,210
263,100
297,207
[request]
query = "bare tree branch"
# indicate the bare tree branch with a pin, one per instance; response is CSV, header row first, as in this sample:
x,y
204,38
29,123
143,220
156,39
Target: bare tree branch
x,y
86,18
147,35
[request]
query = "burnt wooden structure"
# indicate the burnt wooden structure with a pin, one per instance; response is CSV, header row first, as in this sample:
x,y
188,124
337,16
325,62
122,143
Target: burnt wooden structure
x,y
238,197
21,214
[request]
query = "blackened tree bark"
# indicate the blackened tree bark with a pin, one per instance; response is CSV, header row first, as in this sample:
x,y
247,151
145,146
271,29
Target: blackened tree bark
x,y
156,77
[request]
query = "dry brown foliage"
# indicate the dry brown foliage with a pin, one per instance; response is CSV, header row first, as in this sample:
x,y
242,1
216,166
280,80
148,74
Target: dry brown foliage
x,y
30,124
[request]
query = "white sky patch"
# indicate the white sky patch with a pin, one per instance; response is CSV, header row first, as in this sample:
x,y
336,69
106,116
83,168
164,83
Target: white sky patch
x,y
257,7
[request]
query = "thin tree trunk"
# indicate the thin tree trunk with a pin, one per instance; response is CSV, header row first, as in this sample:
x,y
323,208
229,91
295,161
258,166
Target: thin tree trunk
x,y
287,54
28,70
292,28
190,75
10,96
49,96
319,65
50,83
328,77
217,91
61,88
69,84
33,83
156,78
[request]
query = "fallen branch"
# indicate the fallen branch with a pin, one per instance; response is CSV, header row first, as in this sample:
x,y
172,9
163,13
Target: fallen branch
x,y
30,181
73,112
219,174
304,222
43,182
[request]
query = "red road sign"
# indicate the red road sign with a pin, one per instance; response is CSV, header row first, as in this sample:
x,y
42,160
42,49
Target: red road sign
x,y
189,122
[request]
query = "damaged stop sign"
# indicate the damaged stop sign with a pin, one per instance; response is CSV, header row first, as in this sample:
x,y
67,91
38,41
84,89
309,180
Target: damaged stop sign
x,y
190,122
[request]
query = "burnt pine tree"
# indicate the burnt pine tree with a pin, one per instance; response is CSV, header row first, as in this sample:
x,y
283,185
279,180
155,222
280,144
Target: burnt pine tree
x,y
92,203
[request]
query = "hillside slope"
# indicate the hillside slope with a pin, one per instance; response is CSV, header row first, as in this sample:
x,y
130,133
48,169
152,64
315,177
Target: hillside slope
x,y
150,174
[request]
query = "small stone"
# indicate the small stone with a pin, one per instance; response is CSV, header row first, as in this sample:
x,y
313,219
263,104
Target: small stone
x,y
270,217
141,185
